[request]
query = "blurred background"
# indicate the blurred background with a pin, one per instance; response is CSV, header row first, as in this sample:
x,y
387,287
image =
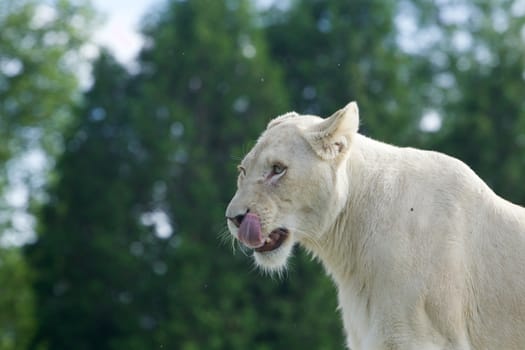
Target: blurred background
x,y
118,163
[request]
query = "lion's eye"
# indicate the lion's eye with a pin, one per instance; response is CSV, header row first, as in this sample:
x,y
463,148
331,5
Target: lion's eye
x,y
278,169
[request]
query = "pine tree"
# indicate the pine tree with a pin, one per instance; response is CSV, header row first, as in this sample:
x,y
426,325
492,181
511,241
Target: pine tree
x,y
478,87
39,53
335,51
17,322
207,67
128,254
93,278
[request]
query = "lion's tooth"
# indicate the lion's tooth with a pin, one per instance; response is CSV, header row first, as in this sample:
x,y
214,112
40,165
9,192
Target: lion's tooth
x,y
268,240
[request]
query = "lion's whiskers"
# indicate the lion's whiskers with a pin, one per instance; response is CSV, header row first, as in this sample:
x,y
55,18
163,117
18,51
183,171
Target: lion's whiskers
x,y
307,238
226,237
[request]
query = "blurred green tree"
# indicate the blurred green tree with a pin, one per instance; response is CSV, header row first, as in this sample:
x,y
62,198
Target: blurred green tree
x,y
128,241
207,66
17,321
39,50
127,254
477,59
73,280
335,51
93,274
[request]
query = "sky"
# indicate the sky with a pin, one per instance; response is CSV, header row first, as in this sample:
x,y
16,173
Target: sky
x,y
120,34
120,31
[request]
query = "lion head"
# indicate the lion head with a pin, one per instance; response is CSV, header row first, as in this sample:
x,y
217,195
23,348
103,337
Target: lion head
x,y
292,184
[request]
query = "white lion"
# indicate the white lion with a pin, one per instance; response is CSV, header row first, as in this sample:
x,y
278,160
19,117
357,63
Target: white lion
x,y
423,253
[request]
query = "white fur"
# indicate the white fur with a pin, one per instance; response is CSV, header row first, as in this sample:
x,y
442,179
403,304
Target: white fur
x,y
423,253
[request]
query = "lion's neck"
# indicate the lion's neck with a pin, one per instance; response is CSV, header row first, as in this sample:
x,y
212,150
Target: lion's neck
x,y
342,248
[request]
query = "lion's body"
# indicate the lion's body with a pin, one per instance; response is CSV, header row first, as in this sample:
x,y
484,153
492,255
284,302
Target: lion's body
x,y
432,257
423,253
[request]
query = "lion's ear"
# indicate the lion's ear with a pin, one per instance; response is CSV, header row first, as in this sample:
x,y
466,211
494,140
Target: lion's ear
x,y
280,119
332,136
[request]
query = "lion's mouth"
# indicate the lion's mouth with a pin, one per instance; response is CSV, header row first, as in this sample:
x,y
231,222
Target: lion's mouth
x,y
250,234
274,240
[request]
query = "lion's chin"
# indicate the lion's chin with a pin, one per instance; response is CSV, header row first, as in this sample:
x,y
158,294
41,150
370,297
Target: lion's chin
x,y
275,260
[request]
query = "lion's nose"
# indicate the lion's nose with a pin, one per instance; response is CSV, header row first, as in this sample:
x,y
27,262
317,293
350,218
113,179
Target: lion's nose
x,y
237,220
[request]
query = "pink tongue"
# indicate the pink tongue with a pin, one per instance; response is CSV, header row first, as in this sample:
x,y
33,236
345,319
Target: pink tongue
x,y
250,231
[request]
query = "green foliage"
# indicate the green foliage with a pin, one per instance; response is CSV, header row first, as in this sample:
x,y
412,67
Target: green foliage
x,y
128,254
39,49
218,74
348,51
89,261
17,322
478,87
39,54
